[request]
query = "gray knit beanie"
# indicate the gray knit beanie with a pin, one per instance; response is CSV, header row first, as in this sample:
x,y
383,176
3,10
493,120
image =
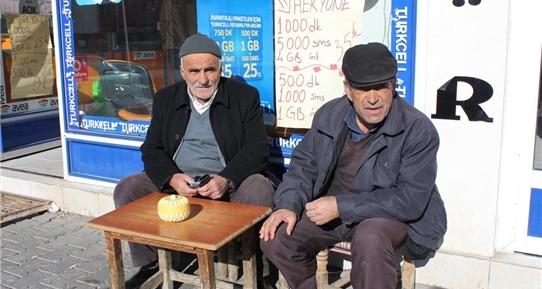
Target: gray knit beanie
x,y
200,43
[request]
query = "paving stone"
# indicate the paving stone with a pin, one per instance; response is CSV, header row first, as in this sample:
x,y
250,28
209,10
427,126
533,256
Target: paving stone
x,y
11,246
78,223
80,232
32,280
8,277
68,280
94,265
26,256
39,228
44,218
19,226
89,253
61,266
92,280
61,252
97,264
8,285
24,240
88,267
48,286
53,234
26,268
53,224
8,252
53,245
92,238
6,233
74,220
102,276
8,264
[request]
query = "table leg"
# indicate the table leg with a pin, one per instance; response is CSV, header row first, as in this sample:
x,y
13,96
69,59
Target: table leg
x,y
206,267
114,259
223,262
164,261
248,250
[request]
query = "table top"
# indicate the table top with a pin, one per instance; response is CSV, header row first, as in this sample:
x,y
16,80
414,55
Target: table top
x,y
210,225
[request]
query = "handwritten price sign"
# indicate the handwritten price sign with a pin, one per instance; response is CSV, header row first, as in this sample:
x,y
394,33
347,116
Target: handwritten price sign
x,y
310,41
32,66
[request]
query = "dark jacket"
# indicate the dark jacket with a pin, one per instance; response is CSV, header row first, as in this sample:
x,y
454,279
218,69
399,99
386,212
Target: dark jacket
x,y
396,175
236,121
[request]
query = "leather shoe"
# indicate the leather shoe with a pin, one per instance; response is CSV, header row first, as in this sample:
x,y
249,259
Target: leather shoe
x,y
142,275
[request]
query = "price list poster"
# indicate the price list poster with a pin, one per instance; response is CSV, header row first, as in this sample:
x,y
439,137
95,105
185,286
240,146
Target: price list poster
x,y
31,73
310,40
243,30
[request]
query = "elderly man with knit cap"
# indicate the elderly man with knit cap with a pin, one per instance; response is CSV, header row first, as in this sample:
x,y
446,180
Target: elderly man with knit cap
x,y
205,124
364,173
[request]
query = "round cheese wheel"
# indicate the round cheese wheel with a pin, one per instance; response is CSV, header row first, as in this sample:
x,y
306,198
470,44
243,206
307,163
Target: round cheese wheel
x,y
173,208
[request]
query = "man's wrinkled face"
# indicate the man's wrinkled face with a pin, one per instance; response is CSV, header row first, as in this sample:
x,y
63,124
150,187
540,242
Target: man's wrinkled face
x,y
202,74
372,103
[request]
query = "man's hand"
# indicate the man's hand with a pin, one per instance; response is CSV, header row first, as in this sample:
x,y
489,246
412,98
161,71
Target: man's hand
x,y
322,210
180,183
270,225
215,188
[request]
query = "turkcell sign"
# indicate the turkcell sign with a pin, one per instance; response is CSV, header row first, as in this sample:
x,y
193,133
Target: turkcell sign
x,y
402,46
111,125
283,147
67,66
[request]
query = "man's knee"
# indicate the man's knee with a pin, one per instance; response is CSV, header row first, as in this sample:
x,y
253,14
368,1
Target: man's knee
x,y
255,190
131,188
121,189
378,233
272,247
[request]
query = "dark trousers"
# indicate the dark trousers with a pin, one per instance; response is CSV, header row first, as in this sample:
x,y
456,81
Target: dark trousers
x,y
373,244
254,190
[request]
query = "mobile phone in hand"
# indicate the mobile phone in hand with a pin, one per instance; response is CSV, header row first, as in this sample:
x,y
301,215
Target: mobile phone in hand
x,y
199,181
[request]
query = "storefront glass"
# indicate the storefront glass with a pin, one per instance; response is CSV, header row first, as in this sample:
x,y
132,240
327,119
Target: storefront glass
x,y
28,94
116,54
119,53
27,81
120,61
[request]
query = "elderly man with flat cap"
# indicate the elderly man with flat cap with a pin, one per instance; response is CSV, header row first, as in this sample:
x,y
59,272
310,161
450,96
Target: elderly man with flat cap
x,y
364,173
205,124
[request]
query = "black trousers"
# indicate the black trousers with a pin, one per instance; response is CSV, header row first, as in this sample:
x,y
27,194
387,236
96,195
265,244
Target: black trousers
x,y
373,244
254,190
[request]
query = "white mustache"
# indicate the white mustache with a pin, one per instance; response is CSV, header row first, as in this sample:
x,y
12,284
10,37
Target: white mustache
x,y
207,85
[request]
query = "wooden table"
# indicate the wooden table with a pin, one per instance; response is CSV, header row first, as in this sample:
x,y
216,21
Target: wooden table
x,y
211,225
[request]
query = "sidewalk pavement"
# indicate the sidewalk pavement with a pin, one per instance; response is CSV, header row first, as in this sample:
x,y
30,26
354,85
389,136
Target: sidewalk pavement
x,y
55,250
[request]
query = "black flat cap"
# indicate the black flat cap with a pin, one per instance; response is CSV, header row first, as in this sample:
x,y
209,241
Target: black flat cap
x,y
200,43
369,64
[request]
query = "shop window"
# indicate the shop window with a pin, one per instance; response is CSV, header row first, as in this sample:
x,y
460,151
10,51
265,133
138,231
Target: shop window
x,y
147,36
27,78
124,52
